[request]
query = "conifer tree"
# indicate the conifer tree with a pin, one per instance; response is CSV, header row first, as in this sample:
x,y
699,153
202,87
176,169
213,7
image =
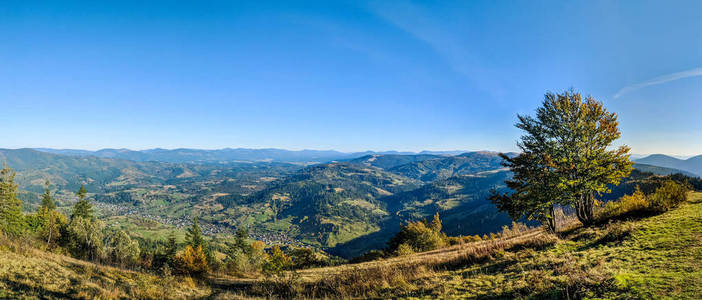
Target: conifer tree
x,y
194,235
47,202
82,208
11,218
196,240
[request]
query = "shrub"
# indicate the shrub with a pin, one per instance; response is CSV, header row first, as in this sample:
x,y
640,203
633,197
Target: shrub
x,y
637,201
277,261
404,249
634,202
668,196
191,261
420,236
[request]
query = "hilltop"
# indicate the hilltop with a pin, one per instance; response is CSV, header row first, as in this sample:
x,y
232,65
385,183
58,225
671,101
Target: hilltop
x,y
692,164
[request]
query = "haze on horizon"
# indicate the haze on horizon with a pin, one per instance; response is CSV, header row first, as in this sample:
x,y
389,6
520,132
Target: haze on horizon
x,y
344,75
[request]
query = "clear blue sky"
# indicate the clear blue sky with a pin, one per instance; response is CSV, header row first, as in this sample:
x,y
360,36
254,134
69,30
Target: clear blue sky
x,y
341,75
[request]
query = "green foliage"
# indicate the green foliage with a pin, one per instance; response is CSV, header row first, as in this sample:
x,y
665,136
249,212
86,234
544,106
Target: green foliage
x,y
668,196
196,240
565,159
277,262
49,221
404,249
419,236
635,202
82,208
11,219
47,202
194,236
85,238
122,250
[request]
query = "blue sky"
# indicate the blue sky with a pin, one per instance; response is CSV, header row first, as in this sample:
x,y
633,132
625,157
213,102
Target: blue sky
x,y
350,76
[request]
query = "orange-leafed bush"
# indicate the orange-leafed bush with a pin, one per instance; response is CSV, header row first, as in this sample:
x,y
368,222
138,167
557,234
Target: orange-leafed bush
x,y
191,261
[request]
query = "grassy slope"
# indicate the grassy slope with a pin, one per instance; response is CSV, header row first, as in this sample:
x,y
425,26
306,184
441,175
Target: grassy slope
x,y
646,258
661,257
30,273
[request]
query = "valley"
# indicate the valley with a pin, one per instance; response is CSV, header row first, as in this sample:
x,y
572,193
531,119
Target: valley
x,y
345,207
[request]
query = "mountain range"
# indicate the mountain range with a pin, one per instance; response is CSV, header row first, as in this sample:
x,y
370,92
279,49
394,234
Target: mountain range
x,y
346,205
692,164
230,155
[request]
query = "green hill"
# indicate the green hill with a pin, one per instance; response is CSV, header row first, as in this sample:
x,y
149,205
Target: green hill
x,y
323,204
387,161
445,167
692,165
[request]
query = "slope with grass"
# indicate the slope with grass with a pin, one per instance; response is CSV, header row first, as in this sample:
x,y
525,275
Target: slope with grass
x,y
29,273
643,257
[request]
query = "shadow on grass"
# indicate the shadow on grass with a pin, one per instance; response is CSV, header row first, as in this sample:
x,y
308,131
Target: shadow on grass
x,y
27,290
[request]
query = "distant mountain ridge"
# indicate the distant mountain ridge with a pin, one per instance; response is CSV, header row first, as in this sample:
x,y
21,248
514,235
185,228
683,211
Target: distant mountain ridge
x,y
692,164
182,155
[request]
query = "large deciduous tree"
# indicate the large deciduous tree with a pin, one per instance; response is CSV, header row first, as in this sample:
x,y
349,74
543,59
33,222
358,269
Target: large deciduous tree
x,y
567,158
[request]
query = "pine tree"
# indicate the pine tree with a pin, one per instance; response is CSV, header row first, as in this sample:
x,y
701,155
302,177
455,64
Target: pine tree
x,y
82,208
194,235
195,239
47,203
11,218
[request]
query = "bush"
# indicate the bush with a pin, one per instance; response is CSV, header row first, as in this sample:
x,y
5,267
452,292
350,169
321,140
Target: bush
x,y
626,204
191,261
404,249
277,261
668,196
420,236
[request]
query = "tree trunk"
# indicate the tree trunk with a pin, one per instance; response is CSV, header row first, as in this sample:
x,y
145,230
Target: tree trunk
x,y
551,222
584,209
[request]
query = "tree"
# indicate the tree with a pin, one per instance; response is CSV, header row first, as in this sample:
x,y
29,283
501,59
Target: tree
x,y
11,218
669,195
171,246
194,234
122,250
566,159
85,239
435,224
47,202
82,208
192,261
195,239
277,261
50,220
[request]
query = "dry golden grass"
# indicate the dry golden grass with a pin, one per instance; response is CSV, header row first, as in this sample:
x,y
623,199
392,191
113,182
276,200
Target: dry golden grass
x,y
373,278
26,272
